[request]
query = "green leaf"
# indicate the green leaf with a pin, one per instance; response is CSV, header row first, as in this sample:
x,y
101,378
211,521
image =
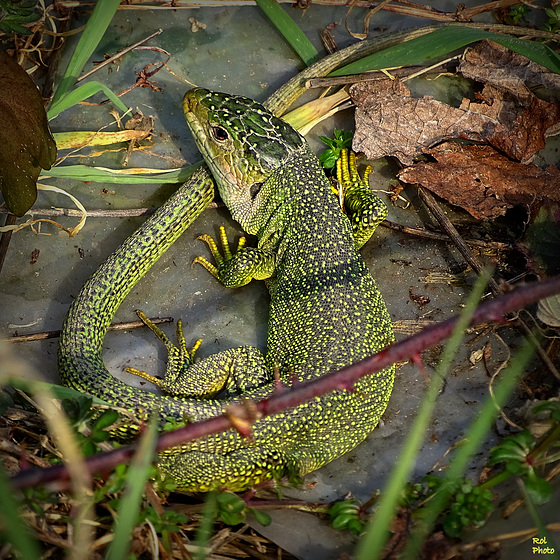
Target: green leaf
x,y
550,406
230,503
27,144
538,488
444,41
513,448
292,33
106,419
262,517
81,93
95,29
57,391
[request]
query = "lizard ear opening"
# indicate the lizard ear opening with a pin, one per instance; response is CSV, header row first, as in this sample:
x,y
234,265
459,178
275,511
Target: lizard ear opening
x,y
254,190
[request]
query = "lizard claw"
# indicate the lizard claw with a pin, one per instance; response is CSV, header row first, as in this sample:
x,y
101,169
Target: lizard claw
x,y
177,353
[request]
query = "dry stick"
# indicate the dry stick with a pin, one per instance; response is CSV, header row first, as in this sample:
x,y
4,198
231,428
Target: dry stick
x,y
130,213
421,232
117,56
399,72
55,334
475,264
282,399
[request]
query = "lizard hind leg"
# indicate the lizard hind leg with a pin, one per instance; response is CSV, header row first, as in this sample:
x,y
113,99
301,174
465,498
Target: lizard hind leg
x,y
365,209
233,371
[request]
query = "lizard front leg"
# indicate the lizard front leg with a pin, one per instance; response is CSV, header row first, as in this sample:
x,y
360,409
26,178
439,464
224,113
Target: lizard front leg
x,y
235,269
365,209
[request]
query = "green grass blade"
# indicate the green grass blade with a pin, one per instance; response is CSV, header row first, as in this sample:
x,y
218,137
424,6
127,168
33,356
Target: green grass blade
x,y
209,514
372,543
94,31
292,33
81,93
443,41
14,529
543,532
126,177
129,505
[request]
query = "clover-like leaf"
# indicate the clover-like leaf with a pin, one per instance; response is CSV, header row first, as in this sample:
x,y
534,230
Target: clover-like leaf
x,y
27,144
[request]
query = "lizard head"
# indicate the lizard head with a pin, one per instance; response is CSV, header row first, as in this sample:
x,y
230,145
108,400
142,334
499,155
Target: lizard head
x,y
243,144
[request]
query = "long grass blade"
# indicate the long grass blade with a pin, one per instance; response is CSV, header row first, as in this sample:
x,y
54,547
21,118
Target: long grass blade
x,y
129,505
443,41
292,33
95,29
129,176
209,514
14,529
81,93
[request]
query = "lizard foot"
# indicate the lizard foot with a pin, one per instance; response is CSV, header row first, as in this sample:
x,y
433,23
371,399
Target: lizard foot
x,y
365,210
237,268
179,357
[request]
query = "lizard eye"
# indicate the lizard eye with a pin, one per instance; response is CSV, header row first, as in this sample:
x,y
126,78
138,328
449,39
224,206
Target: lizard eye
x,y
220,133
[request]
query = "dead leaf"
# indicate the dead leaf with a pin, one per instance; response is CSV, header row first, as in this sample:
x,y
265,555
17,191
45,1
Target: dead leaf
x,y
548,311
491,63
525,120
390,122
506,114
482,181
27,144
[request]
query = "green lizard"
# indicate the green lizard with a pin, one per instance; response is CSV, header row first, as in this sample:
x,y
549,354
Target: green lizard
x,y
325,313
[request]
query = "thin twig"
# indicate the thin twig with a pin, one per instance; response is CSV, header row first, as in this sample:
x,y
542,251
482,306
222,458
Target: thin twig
x,y
421,232
354,78
127,213
118,55
55,334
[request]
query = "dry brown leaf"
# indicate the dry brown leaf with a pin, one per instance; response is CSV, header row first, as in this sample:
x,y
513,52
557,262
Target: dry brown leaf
x,y
482,181
491,63
525,120
390,122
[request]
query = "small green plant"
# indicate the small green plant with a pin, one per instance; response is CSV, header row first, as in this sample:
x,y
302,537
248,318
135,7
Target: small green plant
x,y
518,12
14,13
342,140
91,427
349,515
553,23
469,505
232,510
516,452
